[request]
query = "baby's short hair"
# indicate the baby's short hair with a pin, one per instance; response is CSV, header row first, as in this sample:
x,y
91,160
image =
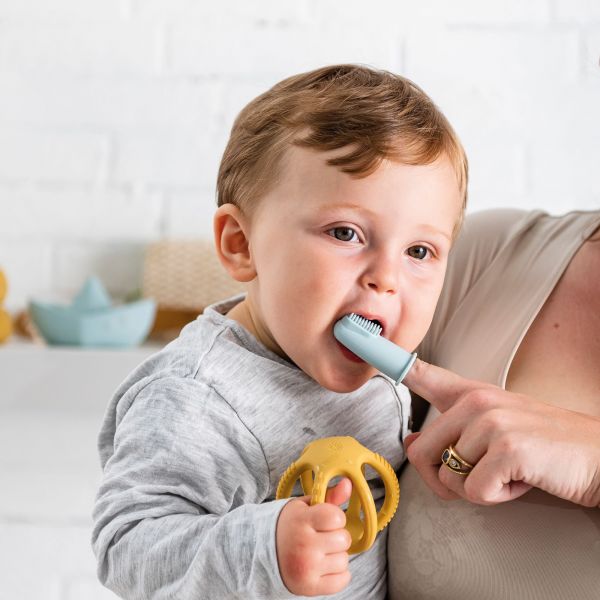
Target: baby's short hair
x,y
376,114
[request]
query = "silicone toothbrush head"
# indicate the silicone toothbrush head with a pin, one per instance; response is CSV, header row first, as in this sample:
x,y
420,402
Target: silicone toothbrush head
x,y
368,325
361,336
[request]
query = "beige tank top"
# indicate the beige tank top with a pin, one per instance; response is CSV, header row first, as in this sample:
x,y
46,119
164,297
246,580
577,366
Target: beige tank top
x,y
502,269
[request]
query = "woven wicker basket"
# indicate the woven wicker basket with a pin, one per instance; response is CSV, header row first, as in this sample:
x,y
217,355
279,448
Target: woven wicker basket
x,y
186,275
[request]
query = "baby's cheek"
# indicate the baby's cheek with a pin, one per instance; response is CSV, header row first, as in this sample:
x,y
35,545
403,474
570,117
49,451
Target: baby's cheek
x,y
417,322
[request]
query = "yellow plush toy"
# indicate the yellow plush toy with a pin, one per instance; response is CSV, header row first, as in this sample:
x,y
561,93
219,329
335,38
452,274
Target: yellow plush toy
x,y
5,320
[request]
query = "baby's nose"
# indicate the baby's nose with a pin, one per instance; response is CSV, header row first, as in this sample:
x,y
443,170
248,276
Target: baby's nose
x,y
382,277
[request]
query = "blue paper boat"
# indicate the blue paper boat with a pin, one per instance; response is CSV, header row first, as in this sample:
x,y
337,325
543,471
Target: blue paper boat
x,y
91,320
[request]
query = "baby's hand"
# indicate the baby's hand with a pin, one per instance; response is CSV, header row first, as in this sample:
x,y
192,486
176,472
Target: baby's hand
x,y
312,544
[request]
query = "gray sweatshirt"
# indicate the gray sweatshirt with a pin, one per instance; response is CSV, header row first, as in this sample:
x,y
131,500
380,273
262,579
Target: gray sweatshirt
x,y
192,447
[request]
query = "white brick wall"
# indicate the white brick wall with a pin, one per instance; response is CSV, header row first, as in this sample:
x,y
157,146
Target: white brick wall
x,y
114,113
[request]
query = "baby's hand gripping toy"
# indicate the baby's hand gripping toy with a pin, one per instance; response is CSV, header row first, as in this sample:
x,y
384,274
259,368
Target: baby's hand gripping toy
x,y
331,457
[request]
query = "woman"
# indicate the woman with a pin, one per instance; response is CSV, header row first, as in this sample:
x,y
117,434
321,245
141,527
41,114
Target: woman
x,y
520,310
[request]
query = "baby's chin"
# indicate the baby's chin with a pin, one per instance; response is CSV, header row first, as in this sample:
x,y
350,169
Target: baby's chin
x,y
334,378
342,383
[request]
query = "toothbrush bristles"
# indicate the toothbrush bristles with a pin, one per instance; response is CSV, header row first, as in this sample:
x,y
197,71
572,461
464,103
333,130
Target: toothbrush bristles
x,y
366,324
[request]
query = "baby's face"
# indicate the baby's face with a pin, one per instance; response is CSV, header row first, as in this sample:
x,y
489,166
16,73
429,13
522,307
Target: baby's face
x,y
325,244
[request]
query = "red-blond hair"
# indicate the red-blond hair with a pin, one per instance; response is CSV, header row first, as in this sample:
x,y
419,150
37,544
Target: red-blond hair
x,y
376,114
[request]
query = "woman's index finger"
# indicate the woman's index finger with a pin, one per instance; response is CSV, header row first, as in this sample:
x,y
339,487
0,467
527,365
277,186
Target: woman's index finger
x,y
440,387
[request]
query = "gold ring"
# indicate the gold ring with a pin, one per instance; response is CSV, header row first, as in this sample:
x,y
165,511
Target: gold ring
x,y
455,462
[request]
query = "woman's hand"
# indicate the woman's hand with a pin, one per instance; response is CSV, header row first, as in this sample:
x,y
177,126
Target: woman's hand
x,y
515,442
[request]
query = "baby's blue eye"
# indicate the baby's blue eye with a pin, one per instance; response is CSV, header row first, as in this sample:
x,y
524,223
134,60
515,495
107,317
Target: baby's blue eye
x,y
418,252
344,234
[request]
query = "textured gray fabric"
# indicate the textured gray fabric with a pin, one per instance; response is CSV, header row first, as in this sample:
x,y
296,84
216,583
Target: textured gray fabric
x,y
192,447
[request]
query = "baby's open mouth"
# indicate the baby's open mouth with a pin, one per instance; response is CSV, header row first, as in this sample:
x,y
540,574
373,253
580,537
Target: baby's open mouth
x,y
375,322
349,354
371,326
361,336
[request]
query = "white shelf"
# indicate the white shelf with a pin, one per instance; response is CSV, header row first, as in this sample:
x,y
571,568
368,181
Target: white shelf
x,y
52,400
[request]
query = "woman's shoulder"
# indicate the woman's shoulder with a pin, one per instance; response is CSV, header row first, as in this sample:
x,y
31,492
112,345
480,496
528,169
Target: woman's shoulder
x,y
487,233
484,233
493,228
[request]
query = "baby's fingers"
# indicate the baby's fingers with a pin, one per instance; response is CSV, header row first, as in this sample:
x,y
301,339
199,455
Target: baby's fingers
x,y
335,563
333,542
334,583
327,517
340,493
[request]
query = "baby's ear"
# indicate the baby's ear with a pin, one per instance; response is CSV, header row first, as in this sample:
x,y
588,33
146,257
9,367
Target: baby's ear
x,y
231,228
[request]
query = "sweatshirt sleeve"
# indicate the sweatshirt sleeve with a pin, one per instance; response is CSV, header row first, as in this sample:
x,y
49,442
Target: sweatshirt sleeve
x,y
180,512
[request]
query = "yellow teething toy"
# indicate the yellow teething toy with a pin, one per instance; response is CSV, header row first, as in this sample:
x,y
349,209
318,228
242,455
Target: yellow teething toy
x,y
5,320
344,456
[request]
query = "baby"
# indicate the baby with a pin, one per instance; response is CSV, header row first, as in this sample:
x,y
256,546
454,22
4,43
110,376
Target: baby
x,y
340,191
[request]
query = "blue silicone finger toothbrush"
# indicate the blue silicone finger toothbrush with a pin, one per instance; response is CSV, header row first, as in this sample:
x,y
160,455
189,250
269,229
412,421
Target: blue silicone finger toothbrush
x,y
361,336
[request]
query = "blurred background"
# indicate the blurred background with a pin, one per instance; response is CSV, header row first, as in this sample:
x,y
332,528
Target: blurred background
x,y
114,113
113,118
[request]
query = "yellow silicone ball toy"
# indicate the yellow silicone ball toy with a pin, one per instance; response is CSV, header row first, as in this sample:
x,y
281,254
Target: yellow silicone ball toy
x,y
330,457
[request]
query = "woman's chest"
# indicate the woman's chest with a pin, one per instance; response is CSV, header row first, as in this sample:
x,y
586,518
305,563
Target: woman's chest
x,y
558,360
